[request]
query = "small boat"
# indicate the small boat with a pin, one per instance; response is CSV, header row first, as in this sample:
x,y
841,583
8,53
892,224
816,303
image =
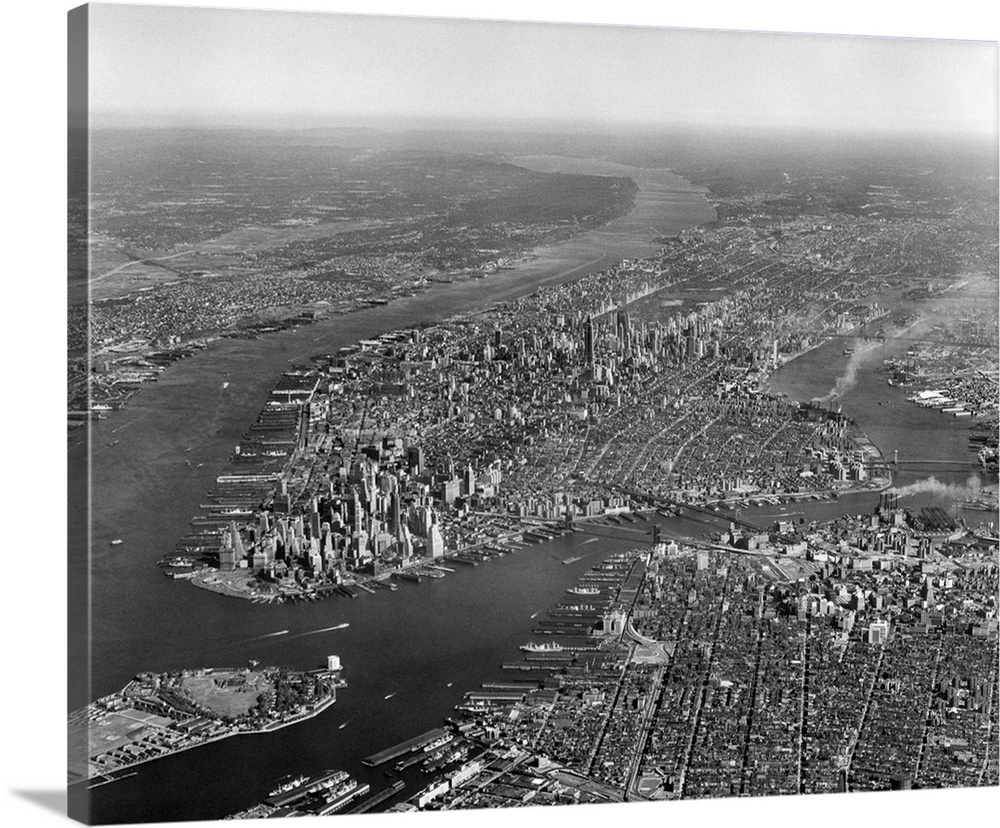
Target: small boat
x,y
117,542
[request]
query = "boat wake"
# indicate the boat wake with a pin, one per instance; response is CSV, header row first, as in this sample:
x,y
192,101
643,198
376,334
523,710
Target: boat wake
x,y
323,630
270,635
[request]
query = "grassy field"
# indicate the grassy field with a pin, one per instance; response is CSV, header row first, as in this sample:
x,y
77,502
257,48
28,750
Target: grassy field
x,y
222,695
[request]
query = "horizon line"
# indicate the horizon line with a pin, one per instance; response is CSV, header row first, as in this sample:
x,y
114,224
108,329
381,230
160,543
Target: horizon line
x,y
110,121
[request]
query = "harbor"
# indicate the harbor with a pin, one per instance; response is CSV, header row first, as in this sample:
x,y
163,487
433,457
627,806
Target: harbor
x,y
468,624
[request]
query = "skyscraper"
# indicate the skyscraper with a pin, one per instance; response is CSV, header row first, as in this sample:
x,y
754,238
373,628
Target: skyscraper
x,y
396,516
588,340
232,550
623,330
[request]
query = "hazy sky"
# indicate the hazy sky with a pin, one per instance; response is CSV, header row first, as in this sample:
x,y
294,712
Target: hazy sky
x,y
163,65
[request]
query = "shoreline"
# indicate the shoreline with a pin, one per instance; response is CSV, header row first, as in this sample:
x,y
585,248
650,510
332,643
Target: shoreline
x,y
225,588
326,312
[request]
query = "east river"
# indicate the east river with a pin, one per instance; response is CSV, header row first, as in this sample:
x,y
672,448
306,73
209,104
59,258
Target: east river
x,y
930,445
409,656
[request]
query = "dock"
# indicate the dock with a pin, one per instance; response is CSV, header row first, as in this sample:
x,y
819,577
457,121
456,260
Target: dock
x,y
378,799
409,576
409,745
341,801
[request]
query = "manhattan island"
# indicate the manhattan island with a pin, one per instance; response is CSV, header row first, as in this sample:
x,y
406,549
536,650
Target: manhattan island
x,y
634,388
456,438
642,386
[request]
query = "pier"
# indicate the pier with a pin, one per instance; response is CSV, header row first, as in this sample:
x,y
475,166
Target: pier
x,y
416,743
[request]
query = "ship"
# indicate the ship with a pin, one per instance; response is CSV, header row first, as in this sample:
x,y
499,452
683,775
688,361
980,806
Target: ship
x,y
117,542
550,647
979,504
440,741
582,590
288,783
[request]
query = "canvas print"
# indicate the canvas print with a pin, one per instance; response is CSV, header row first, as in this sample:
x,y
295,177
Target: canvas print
x,y
471,414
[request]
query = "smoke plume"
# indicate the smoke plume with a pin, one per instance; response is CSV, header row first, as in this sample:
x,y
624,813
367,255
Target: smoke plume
x,y
847,380
973,489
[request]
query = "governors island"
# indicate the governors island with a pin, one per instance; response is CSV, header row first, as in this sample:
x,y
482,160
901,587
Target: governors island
x,y
156,715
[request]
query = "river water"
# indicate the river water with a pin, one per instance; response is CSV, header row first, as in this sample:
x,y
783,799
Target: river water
x,y
424,646
928,443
